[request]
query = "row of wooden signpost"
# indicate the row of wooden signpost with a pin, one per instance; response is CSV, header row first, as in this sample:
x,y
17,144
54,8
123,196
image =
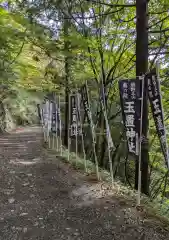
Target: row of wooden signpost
x,y
131,96
52,124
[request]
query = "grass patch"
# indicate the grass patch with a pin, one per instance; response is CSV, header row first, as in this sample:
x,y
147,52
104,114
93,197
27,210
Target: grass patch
x,y
153,208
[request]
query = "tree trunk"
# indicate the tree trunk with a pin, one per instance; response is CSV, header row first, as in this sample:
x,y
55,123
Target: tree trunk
x,y
67,79
142,68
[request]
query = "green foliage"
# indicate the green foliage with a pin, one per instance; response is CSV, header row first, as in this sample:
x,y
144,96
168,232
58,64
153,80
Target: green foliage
x,y
97,41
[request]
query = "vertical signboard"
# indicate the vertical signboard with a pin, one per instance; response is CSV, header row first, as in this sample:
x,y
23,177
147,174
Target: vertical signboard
x,y
50,105
85,100
108,134
79,123
86,106
155,100
59,120
45,114
103,105
54,118
130,96
75,127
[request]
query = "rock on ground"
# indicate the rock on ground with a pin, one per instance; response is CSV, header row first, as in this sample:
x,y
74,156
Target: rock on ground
x,y
43,198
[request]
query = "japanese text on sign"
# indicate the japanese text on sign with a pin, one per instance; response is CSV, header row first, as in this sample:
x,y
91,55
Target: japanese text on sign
x,y
157,111
75,125
130,93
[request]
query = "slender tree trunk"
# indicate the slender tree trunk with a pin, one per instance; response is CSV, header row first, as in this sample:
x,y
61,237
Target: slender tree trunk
x,y
67,78
142,68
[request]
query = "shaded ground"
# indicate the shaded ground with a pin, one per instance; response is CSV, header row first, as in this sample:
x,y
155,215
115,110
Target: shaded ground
x,y
42,198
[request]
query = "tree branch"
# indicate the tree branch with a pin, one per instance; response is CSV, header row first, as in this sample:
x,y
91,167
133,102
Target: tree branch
x,y
158,22
159,31
113,5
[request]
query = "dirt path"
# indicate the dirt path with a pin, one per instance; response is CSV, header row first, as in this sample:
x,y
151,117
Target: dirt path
x,y
42,198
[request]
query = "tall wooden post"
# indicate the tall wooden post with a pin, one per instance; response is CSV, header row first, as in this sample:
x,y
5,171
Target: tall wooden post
x,y
142,68
67,79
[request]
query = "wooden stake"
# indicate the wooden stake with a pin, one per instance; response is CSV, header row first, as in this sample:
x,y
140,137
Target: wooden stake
x,y
139,143
49,125
93,138
159,85
108,137
69,142
60,127
53,135
82,137
76,141
56,125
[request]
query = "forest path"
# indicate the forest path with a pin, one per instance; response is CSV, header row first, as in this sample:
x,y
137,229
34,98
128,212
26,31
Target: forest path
x,y
44,198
